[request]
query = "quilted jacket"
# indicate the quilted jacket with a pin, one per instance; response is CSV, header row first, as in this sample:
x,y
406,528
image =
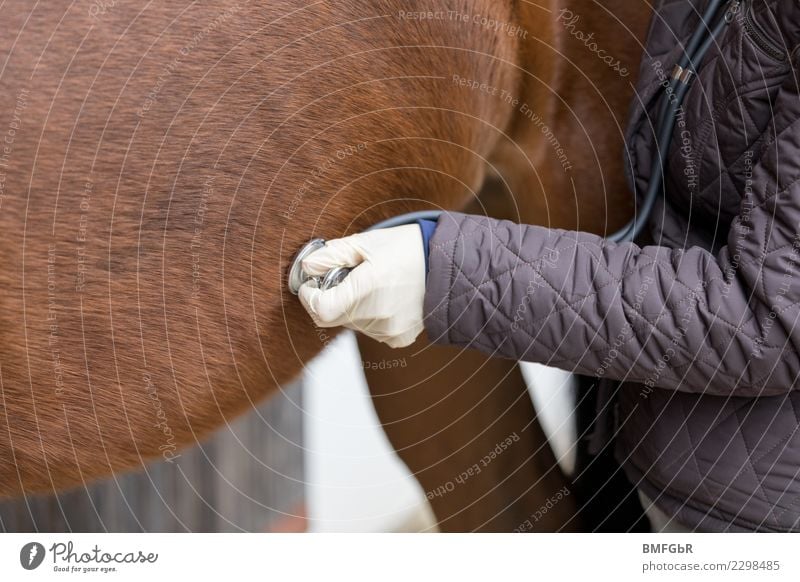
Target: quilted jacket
x,y
698,326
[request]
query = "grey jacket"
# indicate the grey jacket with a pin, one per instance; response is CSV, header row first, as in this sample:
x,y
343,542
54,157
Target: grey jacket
x,y
702,328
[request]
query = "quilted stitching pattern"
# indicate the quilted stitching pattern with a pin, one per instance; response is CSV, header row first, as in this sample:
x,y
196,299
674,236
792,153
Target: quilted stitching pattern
x,y
713,329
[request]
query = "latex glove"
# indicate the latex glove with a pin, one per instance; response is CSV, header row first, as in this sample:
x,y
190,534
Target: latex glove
x,y
382,296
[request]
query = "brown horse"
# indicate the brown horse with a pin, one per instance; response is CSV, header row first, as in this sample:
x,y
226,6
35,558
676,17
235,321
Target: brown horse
x,y
160,165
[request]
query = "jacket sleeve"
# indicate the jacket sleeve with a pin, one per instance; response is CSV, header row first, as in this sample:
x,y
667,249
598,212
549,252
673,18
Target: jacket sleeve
x,y
682,319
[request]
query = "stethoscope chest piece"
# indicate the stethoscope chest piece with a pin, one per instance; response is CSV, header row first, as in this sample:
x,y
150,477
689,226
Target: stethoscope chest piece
x,y
297,276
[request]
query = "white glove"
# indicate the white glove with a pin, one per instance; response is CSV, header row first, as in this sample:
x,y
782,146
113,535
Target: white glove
x,y
382,296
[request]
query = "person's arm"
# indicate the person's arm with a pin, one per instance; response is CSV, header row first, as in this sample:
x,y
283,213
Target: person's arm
x,y
673,318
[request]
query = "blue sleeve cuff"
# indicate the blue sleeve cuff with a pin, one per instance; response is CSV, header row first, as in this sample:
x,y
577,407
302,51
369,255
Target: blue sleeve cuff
x,y
427,227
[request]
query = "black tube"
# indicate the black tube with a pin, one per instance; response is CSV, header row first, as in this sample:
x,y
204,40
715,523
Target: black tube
x,y
666,125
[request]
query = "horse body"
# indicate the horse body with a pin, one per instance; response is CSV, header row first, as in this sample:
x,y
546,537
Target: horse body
x,y
167,164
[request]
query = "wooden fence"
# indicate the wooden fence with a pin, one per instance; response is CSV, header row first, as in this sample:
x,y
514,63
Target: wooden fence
x,y
247,477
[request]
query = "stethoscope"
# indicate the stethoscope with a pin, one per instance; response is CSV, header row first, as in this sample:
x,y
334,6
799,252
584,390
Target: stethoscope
x,y
668,107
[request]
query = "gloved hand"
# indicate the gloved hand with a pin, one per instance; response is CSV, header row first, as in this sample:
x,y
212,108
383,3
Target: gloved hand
x,y
382,296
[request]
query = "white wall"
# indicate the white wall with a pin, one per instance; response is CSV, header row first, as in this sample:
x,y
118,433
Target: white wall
x,y
355,482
